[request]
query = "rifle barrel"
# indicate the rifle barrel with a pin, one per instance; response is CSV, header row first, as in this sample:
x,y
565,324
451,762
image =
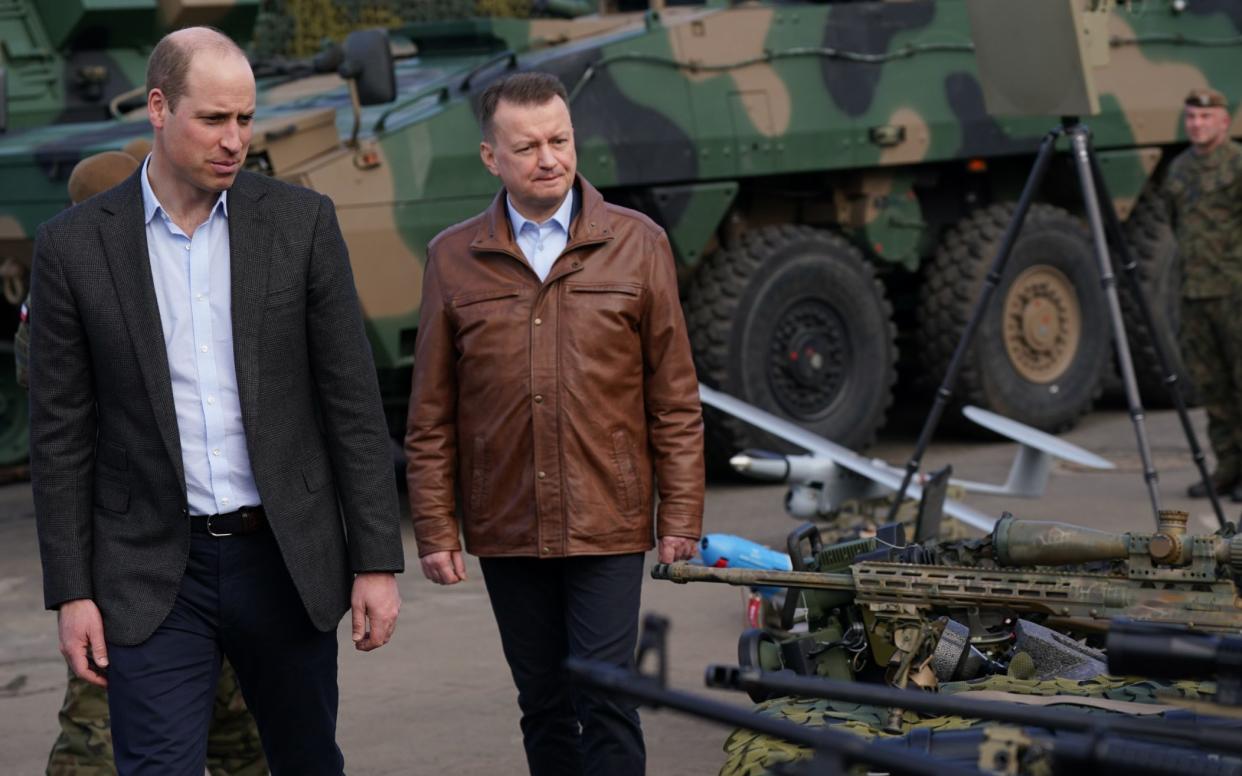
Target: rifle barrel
x,y
1220,739
810,580
852,748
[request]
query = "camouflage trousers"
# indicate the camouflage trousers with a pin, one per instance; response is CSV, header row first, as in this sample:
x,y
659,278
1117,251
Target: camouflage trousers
x,y
84,746
1211,342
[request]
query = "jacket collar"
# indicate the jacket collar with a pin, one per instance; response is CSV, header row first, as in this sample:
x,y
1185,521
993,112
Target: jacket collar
x,y
592,224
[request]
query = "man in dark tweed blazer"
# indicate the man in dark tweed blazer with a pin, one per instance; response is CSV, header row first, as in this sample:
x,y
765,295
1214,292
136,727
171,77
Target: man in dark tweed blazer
x,y
209,456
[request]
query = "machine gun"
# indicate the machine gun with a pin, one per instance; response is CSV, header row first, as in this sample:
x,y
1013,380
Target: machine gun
x,y
1062,741
1099,744
834,750
949,611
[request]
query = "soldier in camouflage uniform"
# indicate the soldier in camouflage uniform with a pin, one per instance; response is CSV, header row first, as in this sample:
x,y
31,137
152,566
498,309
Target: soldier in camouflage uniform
x,y
1203,191
84,746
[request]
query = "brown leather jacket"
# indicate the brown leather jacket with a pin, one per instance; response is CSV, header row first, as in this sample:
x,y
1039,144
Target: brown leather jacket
x,y
550,408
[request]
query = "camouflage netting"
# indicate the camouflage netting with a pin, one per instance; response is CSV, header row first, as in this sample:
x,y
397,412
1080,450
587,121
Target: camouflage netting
x,y
298,28
752,754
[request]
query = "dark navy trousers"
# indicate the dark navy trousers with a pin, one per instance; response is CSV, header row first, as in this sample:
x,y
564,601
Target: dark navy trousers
x,y
548,610
236,599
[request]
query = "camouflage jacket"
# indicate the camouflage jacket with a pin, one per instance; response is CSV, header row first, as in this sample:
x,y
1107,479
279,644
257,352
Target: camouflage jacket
x,y
1204,196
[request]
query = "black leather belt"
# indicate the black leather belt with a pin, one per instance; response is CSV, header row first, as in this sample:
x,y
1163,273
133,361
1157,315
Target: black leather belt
x,y
246,520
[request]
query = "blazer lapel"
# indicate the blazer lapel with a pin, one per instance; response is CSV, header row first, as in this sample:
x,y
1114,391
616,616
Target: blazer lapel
x,y
250,239
124,237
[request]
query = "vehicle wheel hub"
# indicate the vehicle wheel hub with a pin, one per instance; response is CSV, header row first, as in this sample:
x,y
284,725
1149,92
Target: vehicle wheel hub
x,y
809,358
1042,324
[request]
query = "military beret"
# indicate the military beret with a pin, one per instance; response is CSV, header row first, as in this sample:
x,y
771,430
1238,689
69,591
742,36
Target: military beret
x,y
98,173
1206,98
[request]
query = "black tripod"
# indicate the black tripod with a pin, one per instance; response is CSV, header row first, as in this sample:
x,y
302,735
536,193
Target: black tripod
x,y
1105,226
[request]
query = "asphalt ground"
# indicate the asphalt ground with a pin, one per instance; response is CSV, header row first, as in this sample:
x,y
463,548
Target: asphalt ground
x,y
438,698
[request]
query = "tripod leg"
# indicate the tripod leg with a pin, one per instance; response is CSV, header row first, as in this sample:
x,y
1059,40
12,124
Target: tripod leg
x,y
1130,269
1080,140
1038,170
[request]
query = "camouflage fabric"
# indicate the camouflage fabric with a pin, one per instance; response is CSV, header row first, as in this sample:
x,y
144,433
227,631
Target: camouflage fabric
x,y
1211,342
752,754
1204,195
84,746
298,28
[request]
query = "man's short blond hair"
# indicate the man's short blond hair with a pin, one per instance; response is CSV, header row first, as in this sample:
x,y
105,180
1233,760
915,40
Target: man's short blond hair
x,y
169,65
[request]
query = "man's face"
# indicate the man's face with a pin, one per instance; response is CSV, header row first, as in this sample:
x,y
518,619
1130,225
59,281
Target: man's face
x,y
205,139
1207,128
532,152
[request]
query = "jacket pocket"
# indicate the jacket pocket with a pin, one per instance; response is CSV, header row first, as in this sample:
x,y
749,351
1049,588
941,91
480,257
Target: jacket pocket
x,y
112,496
111,455
478,476
627,478
465,300
316,473
602,311
628,289
283,296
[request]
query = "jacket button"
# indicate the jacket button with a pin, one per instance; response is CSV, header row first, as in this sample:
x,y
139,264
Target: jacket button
x,y
539,398
541,475
547,550
538,321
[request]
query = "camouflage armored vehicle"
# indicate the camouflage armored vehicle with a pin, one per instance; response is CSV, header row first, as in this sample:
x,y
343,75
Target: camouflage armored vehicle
x,y
69,60
831,182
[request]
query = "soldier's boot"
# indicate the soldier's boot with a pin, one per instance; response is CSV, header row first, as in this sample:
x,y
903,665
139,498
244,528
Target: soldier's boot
x,y
1225,480
1223,485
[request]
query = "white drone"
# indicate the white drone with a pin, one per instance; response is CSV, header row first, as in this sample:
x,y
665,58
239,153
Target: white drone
x,y
830,475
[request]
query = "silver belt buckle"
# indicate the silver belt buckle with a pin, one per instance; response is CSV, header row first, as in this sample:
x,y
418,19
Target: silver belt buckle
x,y
211,531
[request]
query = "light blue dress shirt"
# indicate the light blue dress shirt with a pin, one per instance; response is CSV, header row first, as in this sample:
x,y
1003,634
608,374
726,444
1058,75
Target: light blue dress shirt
x,y
192,287
541,244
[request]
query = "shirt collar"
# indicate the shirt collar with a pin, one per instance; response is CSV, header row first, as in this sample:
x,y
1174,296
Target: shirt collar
x,y
150,204
561,217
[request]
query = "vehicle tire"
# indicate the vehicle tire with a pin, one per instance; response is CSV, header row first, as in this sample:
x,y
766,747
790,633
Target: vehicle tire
x,y
1154,248
1041,350
793,320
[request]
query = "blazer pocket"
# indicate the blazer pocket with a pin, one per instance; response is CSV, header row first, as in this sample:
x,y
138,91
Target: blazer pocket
x,y
110,455
478,476
316,474
283,296
112,496
627,477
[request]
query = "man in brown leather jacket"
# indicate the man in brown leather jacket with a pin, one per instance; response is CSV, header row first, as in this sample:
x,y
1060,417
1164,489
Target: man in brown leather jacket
x,y
554,391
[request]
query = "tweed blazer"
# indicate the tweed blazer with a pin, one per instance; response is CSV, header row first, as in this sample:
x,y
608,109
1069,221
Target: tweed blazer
x,y
109,486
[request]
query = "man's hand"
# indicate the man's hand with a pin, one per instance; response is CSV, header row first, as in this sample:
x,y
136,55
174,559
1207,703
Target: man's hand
x,y
444,568
675,548
82,640
375,602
